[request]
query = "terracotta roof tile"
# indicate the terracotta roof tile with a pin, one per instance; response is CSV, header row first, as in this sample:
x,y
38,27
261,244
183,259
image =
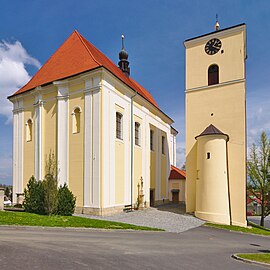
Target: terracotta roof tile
x,y
176,173
74,56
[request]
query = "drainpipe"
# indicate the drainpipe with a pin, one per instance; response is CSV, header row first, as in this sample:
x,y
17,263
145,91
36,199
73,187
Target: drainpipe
x,y
131,149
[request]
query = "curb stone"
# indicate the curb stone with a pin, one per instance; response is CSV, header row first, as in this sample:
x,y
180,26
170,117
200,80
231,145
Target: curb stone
x,y
267,265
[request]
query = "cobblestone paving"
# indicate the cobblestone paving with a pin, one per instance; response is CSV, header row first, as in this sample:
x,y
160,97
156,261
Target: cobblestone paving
x,y
165,217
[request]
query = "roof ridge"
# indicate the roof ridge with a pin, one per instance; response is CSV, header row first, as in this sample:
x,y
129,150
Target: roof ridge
x,y
81,39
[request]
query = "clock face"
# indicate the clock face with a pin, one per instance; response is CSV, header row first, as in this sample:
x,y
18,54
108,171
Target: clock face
x,y
212,46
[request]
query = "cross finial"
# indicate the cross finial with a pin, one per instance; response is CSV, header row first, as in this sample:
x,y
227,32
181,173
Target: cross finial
x,y
217,24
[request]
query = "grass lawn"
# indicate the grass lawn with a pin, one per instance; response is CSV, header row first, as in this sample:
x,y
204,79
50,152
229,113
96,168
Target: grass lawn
x,y
253,228
28,219
261,257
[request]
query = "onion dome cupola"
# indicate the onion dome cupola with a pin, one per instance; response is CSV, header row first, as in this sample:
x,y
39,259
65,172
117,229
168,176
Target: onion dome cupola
x,y
123,57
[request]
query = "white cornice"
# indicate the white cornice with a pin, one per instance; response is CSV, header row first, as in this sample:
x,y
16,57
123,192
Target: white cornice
x,y
214,85
218,34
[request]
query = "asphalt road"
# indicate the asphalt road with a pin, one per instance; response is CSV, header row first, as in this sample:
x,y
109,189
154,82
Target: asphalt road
x,y
257,220
200,248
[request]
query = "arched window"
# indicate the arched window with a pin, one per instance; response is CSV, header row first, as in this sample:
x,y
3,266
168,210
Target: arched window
x,y
119,126
213,75
29,130
76,120
137,133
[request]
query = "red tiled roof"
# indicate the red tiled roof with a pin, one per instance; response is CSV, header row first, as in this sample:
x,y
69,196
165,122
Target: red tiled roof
x,y
74,56
176,173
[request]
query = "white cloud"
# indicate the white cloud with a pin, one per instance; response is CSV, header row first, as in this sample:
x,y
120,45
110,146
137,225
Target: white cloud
x,y
13,73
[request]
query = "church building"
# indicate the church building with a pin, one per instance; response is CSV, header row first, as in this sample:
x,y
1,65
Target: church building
x,y
216,125
114,145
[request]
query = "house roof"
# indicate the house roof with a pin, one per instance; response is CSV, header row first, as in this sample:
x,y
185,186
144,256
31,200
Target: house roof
x,y
211,130
176,173
77,55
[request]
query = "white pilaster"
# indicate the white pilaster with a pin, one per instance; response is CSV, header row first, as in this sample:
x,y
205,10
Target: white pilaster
x,y
18,137
146,158
38,137
88,145
96,147
107,188
158,164
62,132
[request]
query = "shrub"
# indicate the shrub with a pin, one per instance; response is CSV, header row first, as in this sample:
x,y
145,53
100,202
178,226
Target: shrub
x,y
34,197
50,194
66,201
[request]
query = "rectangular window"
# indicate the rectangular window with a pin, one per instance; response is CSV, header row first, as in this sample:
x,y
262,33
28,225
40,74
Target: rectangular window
x,y
119,128
163,145
137,133
208,155
151,140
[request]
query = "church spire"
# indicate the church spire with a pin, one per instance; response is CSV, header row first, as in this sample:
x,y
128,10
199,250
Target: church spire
x,y
217,24
123,56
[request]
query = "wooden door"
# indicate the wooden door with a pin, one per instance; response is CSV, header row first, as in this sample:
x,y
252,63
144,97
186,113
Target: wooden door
x,y
175,197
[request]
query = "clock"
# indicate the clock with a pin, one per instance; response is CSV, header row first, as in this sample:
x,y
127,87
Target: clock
x,y
213,46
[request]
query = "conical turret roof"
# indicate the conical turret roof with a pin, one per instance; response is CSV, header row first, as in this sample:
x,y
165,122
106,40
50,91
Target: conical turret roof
x,y
211,130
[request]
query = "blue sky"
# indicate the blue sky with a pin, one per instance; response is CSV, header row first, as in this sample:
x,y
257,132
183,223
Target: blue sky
x,y
154,29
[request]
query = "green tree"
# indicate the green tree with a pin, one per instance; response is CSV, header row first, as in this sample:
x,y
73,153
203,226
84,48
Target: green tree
x,y
34,197
7,191
51,165
66,201
50,194
258,168
50,185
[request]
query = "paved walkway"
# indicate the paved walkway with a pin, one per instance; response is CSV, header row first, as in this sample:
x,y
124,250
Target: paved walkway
x,y
165,217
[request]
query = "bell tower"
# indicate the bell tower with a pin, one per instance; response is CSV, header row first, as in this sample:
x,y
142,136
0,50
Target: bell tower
x,y
216,125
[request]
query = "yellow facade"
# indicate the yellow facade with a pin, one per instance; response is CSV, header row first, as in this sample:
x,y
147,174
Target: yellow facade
x,y
212,197
49,132
76,150
28,146
164,177
66,100
119,172
222,105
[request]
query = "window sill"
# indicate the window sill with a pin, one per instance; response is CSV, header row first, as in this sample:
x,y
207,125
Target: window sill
x,y
119,140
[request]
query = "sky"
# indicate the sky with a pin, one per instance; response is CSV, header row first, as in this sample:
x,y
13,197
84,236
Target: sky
x,y
154,30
